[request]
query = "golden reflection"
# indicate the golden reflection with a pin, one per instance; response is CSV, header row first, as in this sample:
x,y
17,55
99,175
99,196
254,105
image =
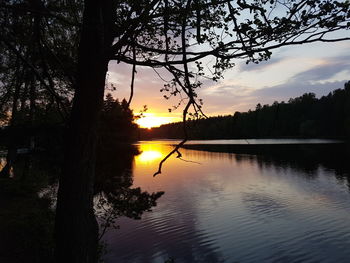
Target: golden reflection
x,y
149,156
149,153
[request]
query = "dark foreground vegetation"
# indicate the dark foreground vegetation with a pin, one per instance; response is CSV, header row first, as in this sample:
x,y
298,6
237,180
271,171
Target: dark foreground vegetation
x,y
301,117
28,198
27,217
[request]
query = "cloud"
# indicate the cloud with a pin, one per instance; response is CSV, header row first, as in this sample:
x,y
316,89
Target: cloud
x,y
229,100
223,99
324,71
243,67
286,75
320,79
295,89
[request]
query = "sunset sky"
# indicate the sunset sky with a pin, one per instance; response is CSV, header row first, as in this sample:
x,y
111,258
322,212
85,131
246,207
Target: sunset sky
x,y
292,71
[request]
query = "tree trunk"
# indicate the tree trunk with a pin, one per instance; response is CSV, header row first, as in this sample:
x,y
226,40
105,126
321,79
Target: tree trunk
x,y
76,230
12,143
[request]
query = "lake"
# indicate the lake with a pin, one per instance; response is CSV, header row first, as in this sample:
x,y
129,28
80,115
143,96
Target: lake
x,y
239,201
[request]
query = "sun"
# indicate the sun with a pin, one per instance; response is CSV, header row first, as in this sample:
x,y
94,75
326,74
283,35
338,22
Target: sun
x,y
151,120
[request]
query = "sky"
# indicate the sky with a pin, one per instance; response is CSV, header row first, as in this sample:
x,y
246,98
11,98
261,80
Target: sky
x,y
291,72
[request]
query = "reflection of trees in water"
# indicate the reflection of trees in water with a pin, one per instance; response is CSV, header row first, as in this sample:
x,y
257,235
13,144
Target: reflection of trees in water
x,y
173,232
114,196
113,180
304,158
27,219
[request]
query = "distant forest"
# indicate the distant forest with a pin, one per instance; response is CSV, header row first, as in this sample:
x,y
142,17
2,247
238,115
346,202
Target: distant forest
x,y
302,117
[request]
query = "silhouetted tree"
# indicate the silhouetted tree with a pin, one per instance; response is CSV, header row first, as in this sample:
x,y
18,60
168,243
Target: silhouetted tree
x,y
161,33
38,57
116,122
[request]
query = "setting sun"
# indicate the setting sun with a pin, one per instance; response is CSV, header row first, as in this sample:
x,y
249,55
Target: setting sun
x,y
151,120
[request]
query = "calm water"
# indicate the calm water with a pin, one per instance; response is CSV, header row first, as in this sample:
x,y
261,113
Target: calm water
x,y
222,203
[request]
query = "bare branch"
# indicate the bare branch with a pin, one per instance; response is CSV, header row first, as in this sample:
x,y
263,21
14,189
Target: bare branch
x,y
132,77
36,73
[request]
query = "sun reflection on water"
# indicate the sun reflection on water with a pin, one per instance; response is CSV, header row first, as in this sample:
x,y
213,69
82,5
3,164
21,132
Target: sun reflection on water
x,y
149,153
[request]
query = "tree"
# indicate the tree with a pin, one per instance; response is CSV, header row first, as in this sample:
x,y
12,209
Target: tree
x,y
177,37
165,33
116,122
38,64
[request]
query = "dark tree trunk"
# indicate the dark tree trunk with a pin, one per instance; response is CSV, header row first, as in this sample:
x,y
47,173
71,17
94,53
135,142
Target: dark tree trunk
x,y
12,142
76,230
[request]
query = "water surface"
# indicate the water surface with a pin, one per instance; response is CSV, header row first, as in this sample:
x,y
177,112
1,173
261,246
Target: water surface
x,y
247,204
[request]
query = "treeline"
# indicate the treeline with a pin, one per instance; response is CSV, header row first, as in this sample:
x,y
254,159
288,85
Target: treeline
x,y
46,131
301,117
116,122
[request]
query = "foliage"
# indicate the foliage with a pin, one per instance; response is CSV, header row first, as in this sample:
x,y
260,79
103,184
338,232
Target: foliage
x,y
192,39
177,36
38,54
116,121
40,37
38,61
188,39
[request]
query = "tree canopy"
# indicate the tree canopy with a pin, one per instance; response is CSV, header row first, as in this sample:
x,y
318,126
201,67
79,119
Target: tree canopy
x,y
188,40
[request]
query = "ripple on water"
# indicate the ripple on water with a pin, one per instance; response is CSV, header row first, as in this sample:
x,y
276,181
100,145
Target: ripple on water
x,y
261,214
